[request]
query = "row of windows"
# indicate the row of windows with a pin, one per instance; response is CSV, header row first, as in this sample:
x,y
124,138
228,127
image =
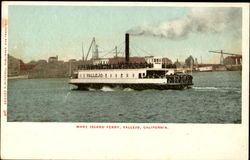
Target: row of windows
x,y
101,62
154,60
110,75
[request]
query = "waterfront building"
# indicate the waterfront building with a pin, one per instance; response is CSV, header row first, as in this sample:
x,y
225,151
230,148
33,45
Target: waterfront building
x,y
53,59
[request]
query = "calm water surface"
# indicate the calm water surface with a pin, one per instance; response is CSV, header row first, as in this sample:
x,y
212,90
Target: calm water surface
x,y
214,98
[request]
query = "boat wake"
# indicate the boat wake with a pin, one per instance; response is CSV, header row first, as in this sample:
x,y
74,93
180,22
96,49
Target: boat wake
x,y
128,89
205,88
227,89
92,89
109,89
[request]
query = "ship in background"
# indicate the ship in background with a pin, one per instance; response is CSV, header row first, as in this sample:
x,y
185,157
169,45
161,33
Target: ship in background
x,y
205,68
233,62
126,74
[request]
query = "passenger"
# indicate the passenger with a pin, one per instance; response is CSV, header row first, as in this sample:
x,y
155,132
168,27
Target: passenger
x,y
167,77
172,79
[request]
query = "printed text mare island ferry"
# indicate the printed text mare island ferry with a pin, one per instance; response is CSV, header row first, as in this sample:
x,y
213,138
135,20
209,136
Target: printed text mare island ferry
x,y
130,75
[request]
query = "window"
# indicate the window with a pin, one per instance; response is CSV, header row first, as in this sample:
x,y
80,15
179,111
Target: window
x,y
133,75
110,75
127,75
105,75
121,75
115,75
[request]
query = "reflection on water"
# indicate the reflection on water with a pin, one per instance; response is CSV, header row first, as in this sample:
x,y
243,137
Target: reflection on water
x,y
215,98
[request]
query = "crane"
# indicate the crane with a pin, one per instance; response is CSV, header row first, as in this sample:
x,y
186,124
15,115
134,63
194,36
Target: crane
x,y
93,40
221,56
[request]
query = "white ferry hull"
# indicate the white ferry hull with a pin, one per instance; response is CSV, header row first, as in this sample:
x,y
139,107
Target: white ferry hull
x,y
159,84
133,86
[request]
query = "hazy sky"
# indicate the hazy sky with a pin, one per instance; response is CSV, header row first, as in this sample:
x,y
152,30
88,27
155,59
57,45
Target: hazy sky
x,y
38,32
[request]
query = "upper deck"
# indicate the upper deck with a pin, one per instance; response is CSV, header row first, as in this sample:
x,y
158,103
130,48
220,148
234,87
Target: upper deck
x,y
124,66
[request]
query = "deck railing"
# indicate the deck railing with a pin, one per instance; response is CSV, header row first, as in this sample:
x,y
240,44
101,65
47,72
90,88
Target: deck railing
x,y
121,66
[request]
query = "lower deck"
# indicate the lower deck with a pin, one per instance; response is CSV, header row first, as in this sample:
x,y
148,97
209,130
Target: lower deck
x,y
135,86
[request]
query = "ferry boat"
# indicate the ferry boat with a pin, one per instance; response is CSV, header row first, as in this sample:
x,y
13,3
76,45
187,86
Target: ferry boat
x,y
128,75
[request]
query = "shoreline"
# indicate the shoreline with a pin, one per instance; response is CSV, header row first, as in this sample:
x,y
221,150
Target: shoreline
x,y
19,77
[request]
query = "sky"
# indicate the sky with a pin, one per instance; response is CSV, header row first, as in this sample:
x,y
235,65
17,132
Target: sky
x,y
38,32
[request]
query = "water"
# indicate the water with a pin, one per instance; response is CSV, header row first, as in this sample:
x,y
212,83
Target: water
x,y
214,98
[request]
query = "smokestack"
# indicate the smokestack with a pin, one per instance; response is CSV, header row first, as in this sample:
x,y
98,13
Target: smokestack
x,y
127,47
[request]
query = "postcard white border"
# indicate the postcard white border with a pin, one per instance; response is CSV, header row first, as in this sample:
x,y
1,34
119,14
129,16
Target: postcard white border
x,y
179,141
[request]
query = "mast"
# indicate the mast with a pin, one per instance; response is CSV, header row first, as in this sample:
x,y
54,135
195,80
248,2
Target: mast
x,y
69,68
221,58
191,66
116,51
95,54
126,48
